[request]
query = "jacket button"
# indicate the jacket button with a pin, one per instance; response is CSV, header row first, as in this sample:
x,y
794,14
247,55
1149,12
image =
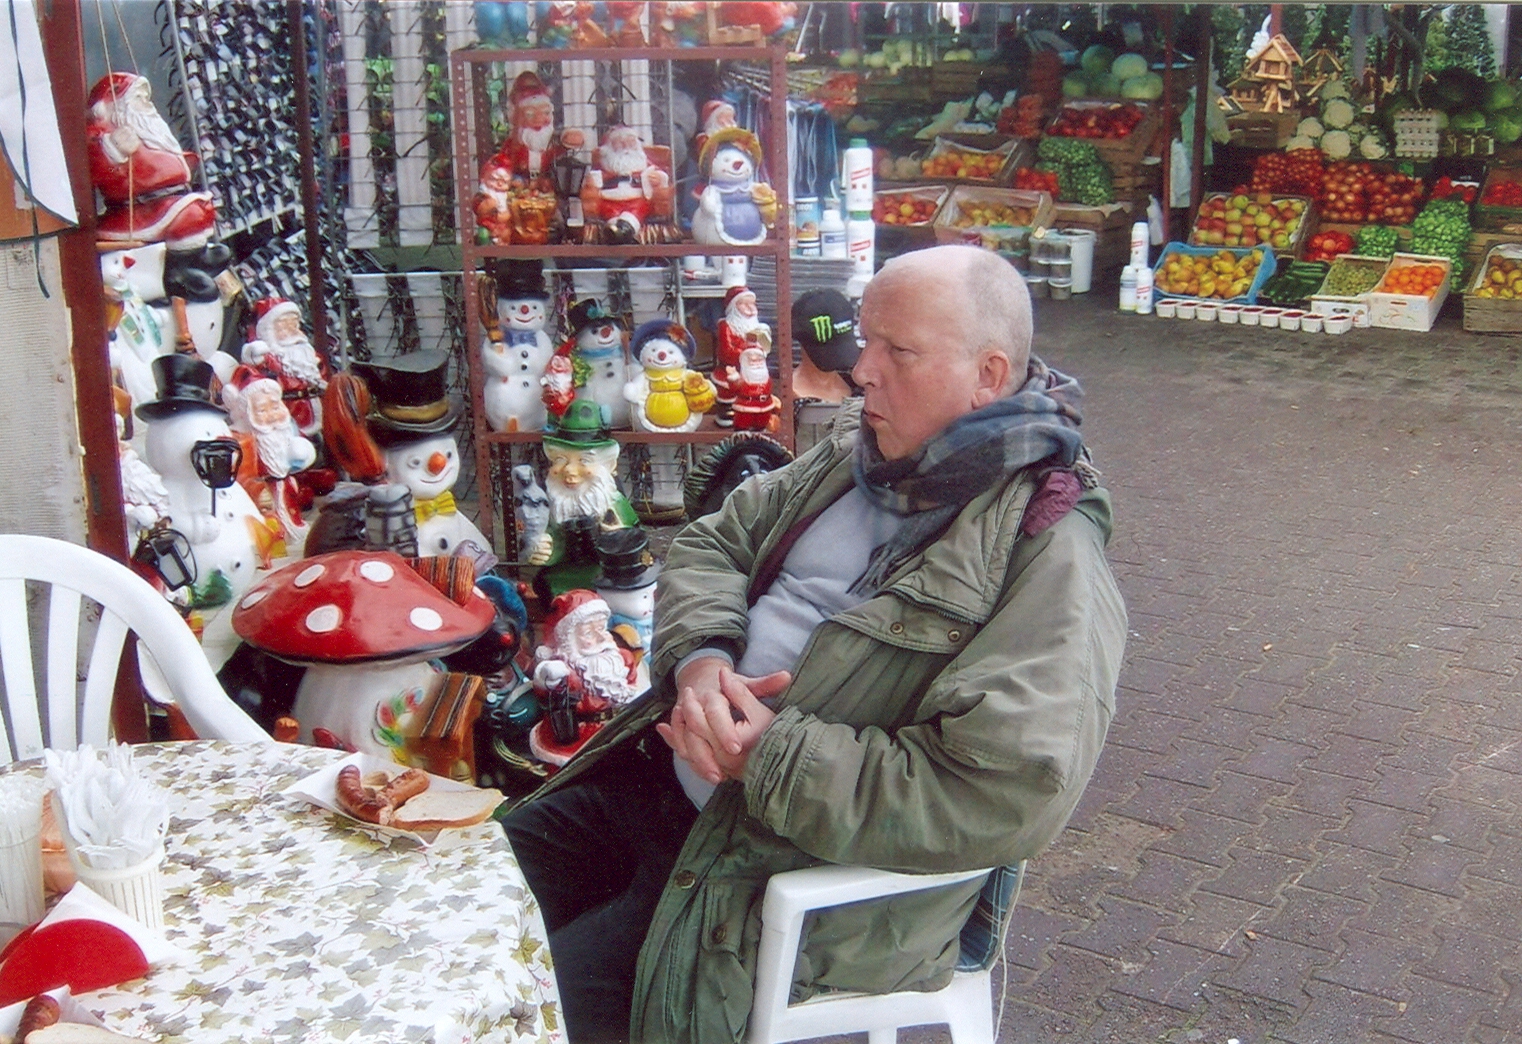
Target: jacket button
x,y
684,879
896,627
719,934
953,636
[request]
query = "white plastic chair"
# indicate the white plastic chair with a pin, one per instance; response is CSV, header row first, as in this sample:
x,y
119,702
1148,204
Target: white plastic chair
x,y
965,1004
61,716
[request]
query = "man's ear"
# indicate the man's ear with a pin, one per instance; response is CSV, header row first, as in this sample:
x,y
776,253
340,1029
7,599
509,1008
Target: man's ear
x,y
993,377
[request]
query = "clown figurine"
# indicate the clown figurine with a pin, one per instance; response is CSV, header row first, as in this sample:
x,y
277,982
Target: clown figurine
x,y
283,352
666,395
412,420
625,190
735,208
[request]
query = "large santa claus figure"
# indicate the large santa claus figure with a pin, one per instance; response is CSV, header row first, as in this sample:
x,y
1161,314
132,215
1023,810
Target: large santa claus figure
x,y
625,189
141,171
282,352
740,328
533,145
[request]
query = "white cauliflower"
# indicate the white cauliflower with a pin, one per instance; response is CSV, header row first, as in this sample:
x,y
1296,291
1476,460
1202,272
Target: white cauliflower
x,y
1310,127
1339,113
1336,144
1334,89
1371,147
1298,142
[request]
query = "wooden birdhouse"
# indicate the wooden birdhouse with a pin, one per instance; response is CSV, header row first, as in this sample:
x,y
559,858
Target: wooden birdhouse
x,y
1319,69
1267,84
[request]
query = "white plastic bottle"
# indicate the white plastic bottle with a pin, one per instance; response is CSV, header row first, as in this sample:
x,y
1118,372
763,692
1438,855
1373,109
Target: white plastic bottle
x,y
1128,288
1139,244
1144,291
861,243
857,176
832,234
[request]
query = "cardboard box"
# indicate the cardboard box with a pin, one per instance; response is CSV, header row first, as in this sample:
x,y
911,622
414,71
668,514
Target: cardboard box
x,y
1406,311
1355,307
994,237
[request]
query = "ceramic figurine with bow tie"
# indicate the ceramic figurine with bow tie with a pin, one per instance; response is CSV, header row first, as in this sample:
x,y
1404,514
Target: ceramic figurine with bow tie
x,y
412,420
515,363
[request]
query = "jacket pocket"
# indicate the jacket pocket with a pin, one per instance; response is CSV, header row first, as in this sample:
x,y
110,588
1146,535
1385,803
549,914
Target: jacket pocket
x,y
726,960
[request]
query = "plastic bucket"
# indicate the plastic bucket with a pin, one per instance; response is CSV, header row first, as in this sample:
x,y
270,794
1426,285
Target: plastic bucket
x,y
1081,249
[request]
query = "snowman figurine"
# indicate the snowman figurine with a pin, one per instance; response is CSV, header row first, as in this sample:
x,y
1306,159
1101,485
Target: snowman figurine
x,y
515,363
666,395
734,208
626,581
598,343
230,544
412,422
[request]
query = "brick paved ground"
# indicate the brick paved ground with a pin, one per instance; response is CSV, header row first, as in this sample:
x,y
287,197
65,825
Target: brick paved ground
x,y
1304,827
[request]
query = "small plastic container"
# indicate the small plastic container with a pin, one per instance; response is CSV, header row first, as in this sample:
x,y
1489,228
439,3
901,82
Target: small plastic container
x,y
1270,318
1205,311
1337,324
1229,314
1310,322
1186,309
1036,284
1251,315
1290,320
1167,308
1040,266
1056,270
1059,289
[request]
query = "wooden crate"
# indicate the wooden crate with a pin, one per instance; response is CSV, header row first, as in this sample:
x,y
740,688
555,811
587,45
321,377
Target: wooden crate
x,y
1123,153
1491,218
1076,215
1490,315
1262,130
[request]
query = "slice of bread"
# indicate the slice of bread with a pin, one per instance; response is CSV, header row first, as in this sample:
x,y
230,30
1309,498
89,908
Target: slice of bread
x,y
436,809
77,1033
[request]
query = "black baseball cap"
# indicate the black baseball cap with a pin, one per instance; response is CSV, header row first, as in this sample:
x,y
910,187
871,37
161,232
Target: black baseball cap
x,y
824,323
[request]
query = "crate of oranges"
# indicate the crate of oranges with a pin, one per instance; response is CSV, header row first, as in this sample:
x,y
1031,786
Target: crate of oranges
x,y
1493,300
976,158
1411,294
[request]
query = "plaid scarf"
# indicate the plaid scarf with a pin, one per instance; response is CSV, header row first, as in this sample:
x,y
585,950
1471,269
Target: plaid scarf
x,y
970,455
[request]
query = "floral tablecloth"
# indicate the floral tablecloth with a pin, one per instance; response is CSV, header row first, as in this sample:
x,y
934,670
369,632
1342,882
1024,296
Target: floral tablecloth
x,y
302,927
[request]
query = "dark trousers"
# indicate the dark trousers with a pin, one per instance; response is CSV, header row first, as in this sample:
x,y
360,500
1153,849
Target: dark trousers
x,y
597,854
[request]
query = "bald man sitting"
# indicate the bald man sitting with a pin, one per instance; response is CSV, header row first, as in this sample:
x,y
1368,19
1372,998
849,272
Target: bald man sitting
x,y
899,651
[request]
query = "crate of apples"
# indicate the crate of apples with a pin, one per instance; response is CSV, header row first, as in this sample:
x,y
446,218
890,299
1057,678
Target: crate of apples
x,y
1222,274
1250,219
1501,280
964,162
908,207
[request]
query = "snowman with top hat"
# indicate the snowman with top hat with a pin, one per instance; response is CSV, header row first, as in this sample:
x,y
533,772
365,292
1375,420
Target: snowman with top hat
x,y
412,420
191,446
514,364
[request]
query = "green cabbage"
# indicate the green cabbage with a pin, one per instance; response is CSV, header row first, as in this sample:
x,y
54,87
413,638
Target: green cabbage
x,y
1506,125
1146,87
1075,85
1096,60
1127,66
1104,85
1469,121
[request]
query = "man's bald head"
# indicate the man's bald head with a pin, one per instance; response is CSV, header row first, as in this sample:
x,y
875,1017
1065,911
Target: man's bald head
x,y
988,293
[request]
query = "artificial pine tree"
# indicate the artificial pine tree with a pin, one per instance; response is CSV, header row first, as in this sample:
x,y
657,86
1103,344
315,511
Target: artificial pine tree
x,y
1469,40
1438,52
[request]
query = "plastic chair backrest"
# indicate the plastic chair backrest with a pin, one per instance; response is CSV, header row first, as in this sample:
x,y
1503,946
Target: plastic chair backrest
x,y
61,714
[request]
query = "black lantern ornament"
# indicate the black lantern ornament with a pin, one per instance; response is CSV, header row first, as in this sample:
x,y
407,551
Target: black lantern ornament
x,y
216,462
569,171
168,554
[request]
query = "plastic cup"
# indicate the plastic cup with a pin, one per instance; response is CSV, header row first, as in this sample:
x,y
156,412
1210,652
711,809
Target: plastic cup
x,y
1205,312
21,897
1291,320
1229,314
137,890
1037,285
1060,289
1337,324
1167,308
1251,315
1186,309
1270,317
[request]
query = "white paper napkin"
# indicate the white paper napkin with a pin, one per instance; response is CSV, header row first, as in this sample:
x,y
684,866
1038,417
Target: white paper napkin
x,y
83,904
115,817
321,789
69,1010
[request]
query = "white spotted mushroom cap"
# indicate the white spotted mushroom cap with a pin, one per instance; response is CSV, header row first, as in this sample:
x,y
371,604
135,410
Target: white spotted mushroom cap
x,y
356,607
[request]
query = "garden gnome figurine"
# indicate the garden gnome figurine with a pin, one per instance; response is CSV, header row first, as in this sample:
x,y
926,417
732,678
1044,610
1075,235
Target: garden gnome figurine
x,y
230,544
740,328
512,393
141,171
735,208
626,581
413,420
274,450
282,351
598,340
582,483
665,394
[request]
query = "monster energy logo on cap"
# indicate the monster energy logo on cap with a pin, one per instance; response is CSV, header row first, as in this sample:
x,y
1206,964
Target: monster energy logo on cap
x,y
826,327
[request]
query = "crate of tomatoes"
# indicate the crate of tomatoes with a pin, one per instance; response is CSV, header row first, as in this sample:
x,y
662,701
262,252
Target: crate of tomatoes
x,y
1297,173
1359,193
1411,293
1324,246
1037,180
1500,201
1121,131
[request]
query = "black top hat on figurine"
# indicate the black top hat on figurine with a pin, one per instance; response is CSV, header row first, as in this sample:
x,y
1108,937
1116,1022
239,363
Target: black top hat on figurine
x,y
409,397
589,312
625,560
825,325
521,277
184,383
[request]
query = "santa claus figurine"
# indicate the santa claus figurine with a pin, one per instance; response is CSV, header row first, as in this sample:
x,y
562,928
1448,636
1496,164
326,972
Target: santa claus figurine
x,y
533,146
141,171
740,328
582,674
625,190
274,450
755,407
281,351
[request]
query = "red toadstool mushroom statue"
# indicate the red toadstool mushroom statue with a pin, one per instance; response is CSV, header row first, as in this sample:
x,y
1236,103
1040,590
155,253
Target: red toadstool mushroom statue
x,y
365,624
